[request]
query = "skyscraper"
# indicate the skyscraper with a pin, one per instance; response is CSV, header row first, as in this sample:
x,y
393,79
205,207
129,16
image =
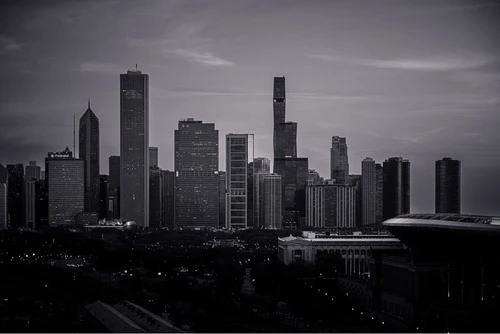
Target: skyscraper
x,y
315,177
258,199
237,156
261,165
32,171
155,197
4,175
168,179
89,153
196,167
222,199
287,139
368,191
447,197
134,147
153,156
15,189
355,182
114,185
396,187
339,164
315,204
104,197
279,104
272,201
379,194
31,202
65,183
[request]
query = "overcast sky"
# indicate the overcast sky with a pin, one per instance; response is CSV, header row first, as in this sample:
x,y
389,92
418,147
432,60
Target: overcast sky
x,y
418,79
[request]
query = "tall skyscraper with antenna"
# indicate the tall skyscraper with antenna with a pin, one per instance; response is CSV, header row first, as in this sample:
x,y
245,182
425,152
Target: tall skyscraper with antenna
x,y
134,147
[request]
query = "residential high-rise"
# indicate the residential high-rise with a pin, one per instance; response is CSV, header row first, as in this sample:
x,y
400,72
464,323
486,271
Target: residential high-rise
x,y
355,182
114,185
368,191
15,189
258,199
261,165
447,197
4,210
344,199
65,184
32,171
222,199
294,173
315,204
31,202
168,179
379,194
279,104
104,212
272,201
396,187
153,156
237,156
134,147
196,167
89,153
339,164
155,197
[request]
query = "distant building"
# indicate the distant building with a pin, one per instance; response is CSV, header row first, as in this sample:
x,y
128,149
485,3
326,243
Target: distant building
x,y
222,199
15,190
368,191
155,197
32,171
339,164
279,104
250,199
272,201
153,156
261,165
134,147
196,166
258,199
32,205
104,212
315,177
89,153
355,182
4,176
237,153
294,173
379,194
287,139
168,179
315,204
65,184
114,185
396,187
448,186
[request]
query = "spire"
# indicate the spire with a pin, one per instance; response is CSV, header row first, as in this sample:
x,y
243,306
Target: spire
x,y
89,104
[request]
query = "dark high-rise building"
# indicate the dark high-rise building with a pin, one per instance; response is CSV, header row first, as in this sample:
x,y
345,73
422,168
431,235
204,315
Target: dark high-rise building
x,y
447,186
339,164
272,201
65,184
368,191
43,203
294,173
104,212
237,174
15,188
155,197
250,199
153,156
32,171
287,139
168,179
196,167
258,199
222,199
379,194
279,104
89,153
4,210
31,203
114,185
261,165
396,187
134,147
355,182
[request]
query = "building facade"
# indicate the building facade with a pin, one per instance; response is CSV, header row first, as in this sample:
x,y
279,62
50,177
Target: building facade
x,y
153,156
15,189
261,165
31,203
396,191
379,194
197,180
258,199
114,185
65,184
368,191
4,209
155,197
134,147
168,179
339,163
272,200
448,186
279,105
32,171
89,153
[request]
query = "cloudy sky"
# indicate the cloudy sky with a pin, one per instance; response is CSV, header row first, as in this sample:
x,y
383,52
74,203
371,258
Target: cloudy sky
x,y
418,79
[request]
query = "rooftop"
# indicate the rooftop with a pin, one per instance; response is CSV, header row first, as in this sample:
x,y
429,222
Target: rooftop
x,y
453,217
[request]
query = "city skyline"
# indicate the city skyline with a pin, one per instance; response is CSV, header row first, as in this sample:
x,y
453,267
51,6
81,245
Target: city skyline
x,y
443,106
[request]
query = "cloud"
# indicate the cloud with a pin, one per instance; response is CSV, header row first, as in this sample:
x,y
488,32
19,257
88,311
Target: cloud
x,y
425,64
98,67
9,44
206,59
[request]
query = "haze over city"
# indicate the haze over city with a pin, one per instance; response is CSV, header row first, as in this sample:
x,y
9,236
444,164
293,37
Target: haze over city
x,y
419,80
